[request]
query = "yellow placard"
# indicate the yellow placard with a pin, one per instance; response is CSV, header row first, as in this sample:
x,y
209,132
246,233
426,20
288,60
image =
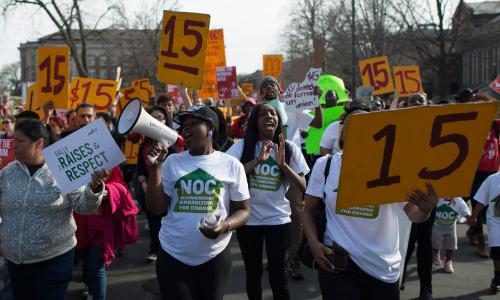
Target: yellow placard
x,y
247,89
143,90
377,73
131,151
388,153
407,80
182,48
215,57
31,99
53,76
128,94
99,92
272,65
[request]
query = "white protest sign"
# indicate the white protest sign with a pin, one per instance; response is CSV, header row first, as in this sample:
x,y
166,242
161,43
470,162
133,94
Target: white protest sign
x,y
300,96
72,159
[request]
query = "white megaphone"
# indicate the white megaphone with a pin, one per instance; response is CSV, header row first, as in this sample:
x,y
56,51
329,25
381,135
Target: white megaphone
x,y
135,118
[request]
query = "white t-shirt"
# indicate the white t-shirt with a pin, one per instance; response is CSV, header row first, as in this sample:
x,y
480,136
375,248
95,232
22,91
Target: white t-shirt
x,y
297,121
330,138
370,234
448,212
198,186
268,205
488,194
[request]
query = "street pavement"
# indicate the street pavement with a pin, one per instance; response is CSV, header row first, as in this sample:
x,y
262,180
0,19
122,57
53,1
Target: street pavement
x,y
128,274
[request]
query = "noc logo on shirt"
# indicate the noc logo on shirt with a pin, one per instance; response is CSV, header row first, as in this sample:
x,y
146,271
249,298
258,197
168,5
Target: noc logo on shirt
x,y
366,212
496,206
266,176
445,216
197,192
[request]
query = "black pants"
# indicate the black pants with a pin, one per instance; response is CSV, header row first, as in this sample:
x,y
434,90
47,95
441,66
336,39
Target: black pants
x,y
356,285
42,280
478,180
278,239
421,234
179,281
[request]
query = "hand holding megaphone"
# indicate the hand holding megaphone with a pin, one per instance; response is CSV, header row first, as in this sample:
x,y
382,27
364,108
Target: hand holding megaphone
x,y
157,153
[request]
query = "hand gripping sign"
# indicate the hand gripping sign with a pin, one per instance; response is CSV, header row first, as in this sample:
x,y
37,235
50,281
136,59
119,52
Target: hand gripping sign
x,y
300,96
388,153
73,159
182,48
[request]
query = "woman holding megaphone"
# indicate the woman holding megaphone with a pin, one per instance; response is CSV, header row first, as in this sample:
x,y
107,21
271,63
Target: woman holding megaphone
x,y
205,195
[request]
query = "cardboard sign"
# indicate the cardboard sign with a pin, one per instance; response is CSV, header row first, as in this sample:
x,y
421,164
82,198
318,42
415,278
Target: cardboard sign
x,y
227,82
143,90
99,92
300,96
495,85
128,94
272,65
152,90
388,153
247,89
31,99
53,76
74,158
182,48
377,73
407,79
6,152
215,57
174,91
131,152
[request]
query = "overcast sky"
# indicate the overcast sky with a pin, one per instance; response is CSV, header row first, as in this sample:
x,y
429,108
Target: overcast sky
x,y
251,27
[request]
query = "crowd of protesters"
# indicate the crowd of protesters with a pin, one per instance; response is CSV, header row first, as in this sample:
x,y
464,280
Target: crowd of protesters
x,y
249,173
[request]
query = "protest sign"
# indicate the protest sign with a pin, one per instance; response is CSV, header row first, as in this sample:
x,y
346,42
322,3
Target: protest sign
x,y
247,89
182,48
73,159
127,94
143,90
407,79
131,151
53,76
6,152
495,85
99,92
227,82
376,72
31,97
215,57
174,91
300,96
388,153
272,65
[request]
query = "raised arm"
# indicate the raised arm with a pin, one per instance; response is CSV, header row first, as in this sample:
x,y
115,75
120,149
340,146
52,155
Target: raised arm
x,y
156,200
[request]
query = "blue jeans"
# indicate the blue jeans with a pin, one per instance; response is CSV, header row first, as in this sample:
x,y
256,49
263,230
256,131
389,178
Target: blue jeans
x,y
42,280
94,272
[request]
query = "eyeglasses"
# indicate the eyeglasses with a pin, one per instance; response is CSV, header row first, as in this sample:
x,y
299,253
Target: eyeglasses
x,y
6,122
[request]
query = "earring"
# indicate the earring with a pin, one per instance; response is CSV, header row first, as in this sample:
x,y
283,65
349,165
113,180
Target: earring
x,y
210,133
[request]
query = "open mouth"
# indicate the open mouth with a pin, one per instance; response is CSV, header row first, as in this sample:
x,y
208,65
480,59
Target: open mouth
x,y
269,125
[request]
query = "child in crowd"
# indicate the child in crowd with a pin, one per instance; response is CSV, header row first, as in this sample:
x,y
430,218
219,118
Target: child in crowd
x,y
489,194
444,231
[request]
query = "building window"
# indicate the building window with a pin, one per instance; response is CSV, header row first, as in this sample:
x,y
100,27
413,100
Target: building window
x,y
92,73
103,73
113,73
103,60
91,60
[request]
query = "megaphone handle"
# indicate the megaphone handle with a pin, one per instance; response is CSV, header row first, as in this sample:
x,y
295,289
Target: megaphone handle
x,y
152,159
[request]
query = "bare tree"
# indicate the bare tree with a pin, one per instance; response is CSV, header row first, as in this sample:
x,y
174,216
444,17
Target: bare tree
x,y
10,79
67,16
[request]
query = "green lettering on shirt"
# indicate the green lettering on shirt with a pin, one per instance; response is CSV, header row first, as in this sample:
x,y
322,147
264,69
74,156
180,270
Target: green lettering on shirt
x,y
366,212
266,176
197,192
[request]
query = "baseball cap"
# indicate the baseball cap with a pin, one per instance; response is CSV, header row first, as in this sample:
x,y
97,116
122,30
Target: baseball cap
x,y
201,112
250,101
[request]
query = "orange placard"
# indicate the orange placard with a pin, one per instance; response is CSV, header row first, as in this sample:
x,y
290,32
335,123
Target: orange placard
x,y
131,151
143,90
407,79
31,99
377,73
182,48
99,92
247,89
388,153
272,65
53,76
215,57
128,94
